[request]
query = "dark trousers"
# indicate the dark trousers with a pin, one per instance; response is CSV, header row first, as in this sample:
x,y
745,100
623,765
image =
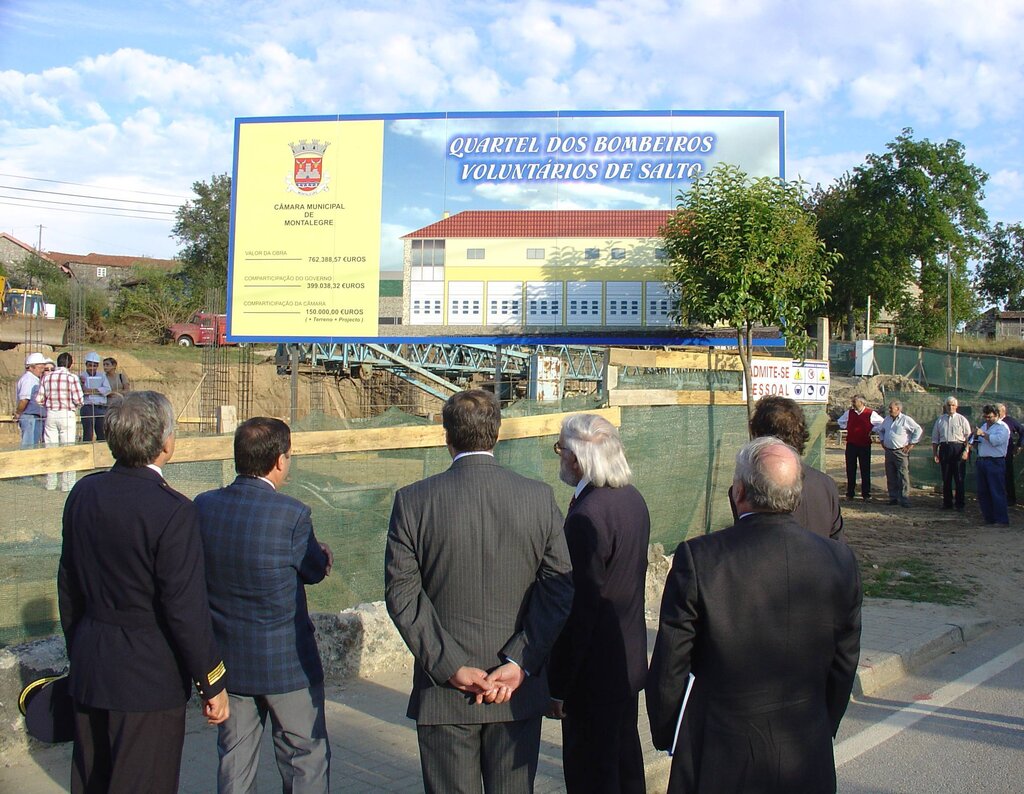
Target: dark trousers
x,y
992,490
127,752
494,757
858,456
601,750
93,420
1011,486
953,467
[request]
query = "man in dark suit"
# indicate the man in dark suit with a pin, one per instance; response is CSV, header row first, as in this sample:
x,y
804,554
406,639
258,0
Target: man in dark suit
x,y
766,616
134,612
819,509
599,663
478,582
260,553
1016,440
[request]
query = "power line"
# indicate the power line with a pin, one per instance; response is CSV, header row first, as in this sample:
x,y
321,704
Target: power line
x,y
14,203
51,202
83,184
79,195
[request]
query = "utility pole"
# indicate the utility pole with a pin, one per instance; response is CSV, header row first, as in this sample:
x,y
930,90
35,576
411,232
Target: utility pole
x,y
949,301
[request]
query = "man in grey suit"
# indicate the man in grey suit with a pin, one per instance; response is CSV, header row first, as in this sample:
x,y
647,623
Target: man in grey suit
x,y
478,582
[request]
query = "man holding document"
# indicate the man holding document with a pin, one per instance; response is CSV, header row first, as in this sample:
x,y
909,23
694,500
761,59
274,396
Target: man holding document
x,y
766,615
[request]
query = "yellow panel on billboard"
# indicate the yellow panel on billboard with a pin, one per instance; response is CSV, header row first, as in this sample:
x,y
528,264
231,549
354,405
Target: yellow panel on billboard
x,y
306,246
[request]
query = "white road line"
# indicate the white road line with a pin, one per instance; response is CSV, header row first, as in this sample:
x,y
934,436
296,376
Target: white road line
x,y
855,746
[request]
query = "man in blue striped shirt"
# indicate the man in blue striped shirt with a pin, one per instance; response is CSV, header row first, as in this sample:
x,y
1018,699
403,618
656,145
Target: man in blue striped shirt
x,y
992,439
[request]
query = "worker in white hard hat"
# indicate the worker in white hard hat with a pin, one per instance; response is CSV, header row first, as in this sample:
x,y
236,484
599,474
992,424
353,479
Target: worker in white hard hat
x,y
27,412
95,387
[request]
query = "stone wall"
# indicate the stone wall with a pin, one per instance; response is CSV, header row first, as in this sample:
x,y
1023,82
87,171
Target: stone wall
x,y
359,642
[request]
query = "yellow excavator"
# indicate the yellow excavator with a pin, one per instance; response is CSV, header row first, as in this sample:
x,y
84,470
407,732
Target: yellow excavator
x,y
23,319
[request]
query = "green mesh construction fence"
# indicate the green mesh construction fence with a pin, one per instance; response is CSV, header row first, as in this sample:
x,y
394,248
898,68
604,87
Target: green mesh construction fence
x,y
682,456
996,377
974,379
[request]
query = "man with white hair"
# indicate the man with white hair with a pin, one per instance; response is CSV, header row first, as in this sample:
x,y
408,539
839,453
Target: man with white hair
x,y
950,449
599,662
27,412
766,616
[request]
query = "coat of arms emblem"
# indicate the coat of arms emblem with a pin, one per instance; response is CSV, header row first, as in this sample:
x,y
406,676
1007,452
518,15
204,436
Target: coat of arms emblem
x,y
308,175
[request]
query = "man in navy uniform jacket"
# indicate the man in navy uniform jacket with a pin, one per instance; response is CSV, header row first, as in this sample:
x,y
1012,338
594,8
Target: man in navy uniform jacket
x,y
260,554
134,612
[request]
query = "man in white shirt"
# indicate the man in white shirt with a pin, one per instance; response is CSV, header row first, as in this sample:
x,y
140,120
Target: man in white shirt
x,y
951,450
95,387
899,434
28,413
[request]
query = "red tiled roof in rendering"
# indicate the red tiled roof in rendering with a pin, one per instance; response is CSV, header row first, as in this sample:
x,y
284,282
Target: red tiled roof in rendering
x,y
110,260
547,223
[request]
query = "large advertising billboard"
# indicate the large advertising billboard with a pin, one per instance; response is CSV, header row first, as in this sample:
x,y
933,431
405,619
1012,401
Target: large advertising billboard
x,y
533,227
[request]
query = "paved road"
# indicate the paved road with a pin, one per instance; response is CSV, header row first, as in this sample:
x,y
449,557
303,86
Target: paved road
x,y
957,725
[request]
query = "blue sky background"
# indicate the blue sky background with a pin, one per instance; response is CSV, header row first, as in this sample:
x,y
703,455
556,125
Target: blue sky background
x,y
136,101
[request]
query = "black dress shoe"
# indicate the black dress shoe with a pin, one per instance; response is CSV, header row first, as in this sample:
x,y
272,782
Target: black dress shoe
x,y
893,502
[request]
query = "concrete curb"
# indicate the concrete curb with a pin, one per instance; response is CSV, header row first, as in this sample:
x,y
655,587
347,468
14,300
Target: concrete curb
x,y
879,669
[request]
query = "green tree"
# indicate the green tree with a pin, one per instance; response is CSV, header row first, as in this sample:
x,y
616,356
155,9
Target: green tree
x,y
202,226
899,219
847,225
1001,273
158,300
745,253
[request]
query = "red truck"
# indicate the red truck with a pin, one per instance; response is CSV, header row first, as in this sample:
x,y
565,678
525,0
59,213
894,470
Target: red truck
x,y
203,329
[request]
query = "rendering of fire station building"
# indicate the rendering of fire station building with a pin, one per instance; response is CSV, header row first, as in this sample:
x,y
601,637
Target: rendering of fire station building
x,y
536,268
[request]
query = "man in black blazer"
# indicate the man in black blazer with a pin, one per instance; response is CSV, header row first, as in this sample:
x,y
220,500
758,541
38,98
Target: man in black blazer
x,y
819,509
766,616
478,581
599,663
133,608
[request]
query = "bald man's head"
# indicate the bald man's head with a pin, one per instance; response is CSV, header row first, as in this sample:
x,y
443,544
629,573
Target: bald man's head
x,y
769,477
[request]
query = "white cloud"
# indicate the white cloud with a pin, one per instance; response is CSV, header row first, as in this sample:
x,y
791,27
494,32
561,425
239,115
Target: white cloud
x,y
822,169
159,102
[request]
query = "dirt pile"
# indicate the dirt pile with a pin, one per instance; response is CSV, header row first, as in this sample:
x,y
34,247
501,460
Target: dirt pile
x,y
874,389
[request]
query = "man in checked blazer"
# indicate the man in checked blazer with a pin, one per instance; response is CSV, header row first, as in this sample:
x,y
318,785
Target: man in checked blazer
x,y
478,582
260,554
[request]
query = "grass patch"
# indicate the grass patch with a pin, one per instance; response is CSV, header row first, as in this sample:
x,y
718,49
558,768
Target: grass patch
x,y
912,580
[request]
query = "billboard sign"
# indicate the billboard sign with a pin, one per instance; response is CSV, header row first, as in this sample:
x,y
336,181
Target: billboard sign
x,y
503,227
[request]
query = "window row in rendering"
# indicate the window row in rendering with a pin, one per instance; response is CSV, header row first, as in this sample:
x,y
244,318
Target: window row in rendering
x,y
550,303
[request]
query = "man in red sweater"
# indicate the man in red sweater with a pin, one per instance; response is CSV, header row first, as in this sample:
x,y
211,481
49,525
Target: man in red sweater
x,y
858,422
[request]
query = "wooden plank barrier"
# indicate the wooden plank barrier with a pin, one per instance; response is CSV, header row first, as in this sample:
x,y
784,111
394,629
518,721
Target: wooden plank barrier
x,y
86,457
714,360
